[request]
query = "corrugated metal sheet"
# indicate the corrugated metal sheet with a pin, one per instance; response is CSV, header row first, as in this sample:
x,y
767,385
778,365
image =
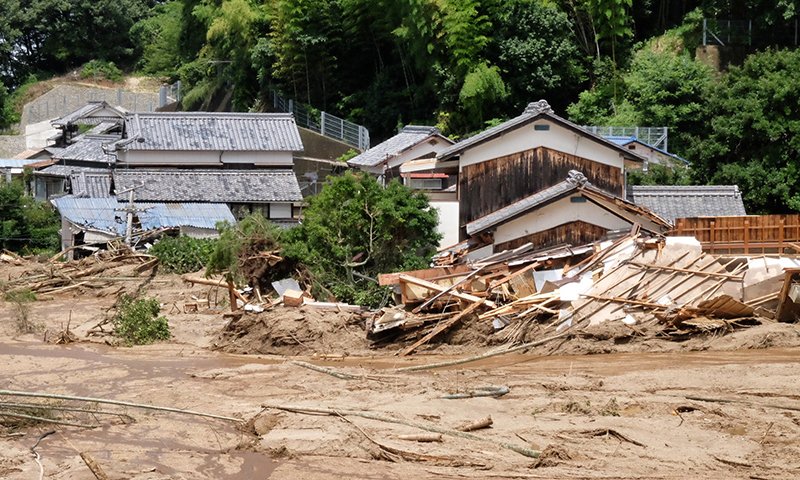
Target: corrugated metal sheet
x,y
213,131
229,186
17,162
408,137
106,214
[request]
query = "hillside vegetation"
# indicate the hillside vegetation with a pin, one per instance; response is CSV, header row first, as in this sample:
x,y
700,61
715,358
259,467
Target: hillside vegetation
x,y
457,64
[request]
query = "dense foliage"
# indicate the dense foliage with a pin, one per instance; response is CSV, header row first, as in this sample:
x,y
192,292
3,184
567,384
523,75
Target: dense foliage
x,y
458,64
356,229
26,225
137,322
183,254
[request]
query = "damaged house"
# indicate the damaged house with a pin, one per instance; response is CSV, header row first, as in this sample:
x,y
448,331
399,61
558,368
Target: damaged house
x,y
184,171
540,178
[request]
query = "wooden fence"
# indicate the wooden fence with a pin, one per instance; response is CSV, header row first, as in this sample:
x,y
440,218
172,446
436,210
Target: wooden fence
x,y
748,234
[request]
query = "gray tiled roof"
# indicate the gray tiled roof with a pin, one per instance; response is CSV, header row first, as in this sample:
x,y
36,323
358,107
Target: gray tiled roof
x,y
516,208
67,170
408,137
533,111
91,184
228,186
84,111
202,131
673,202
89,149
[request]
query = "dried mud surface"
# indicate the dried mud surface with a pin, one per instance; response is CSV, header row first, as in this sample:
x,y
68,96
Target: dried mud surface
x,y
603,404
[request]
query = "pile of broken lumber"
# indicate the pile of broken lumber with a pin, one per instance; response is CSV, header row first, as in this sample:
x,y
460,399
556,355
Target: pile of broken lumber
x,y
668,283
104,268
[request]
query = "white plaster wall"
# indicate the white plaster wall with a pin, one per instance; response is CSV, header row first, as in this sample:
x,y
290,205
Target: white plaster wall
x,y
448,221
203,158
555,214
557,138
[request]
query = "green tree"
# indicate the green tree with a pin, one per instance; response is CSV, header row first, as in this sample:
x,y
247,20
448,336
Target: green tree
x,y
538,53
157,38
355,228
753,138
26,224
664,86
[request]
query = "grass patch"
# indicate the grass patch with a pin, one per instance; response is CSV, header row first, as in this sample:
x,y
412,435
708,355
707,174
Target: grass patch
x,y
21,299
137,321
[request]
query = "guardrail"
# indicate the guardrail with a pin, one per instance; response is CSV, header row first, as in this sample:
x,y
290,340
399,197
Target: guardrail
x,y
322,122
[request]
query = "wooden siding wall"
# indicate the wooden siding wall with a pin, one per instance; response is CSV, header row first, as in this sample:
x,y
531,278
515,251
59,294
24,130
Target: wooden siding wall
x,y
742,234
573,233
488,186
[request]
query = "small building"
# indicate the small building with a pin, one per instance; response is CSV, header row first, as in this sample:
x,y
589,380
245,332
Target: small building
x,y
529,154
571,212
680,201
273,192
411,143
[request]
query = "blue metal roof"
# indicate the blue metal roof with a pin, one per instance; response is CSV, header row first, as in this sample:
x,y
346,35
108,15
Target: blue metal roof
x,y
17,162
622,141
107,214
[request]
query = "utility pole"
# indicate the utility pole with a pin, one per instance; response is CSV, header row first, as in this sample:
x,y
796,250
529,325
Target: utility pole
x,y
130,210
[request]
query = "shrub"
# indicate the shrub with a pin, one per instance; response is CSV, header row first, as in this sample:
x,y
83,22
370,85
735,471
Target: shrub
x,y
137,321
183,254
20,299
101,69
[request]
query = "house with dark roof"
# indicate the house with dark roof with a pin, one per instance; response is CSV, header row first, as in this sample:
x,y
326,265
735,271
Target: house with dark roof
x,y
528,154
273,192
680,201
412,142
207,140
572,212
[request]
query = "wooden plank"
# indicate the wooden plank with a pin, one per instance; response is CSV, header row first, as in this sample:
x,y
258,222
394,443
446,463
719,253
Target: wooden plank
x,y
687,270
438,288
441,327
386,279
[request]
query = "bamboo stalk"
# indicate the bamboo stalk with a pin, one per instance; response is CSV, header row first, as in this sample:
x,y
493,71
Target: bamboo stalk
x,y
383,418
44,420
15,393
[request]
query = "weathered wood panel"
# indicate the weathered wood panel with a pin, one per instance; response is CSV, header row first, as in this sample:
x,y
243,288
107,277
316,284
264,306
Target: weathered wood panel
x,y
574,233
742,234
488,186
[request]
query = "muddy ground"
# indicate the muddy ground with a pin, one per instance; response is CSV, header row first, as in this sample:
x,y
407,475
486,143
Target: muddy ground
x,y
603,404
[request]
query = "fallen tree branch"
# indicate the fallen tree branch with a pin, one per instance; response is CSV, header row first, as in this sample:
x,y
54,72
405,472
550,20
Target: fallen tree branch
x,y
599,432
22,416
476,425
90,462
743,402
15,393
328,371
383,418
480,392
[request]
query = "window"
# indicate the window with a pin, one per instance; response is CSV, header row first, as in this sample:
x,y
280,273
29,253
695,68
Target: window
x,y
541,127
425,183
280,210
577,200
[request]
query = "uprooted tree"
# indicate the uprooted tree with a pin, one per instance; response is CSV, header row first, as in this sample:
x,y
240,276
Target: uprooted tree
x,y
356,229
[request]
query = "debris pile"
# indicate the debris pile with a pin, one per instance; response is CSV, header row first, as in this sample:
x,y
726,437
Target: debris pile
x,y
115,267
652,286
